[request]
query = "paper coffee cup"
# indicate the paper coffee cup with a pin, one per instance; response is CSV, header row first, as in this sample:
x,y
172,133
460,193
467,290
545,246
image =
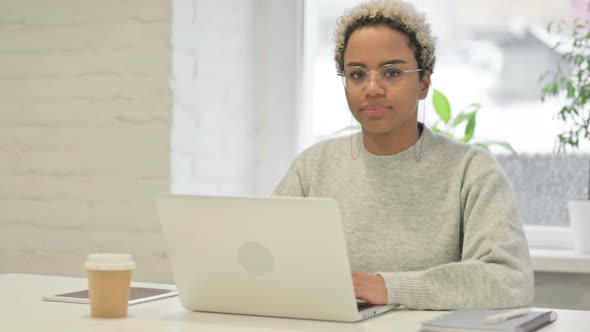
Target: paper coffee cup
x,y
109,281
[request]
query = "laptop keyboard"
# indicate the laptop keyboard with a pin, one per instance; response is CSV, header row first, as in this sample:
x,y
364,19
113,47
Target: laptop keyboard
x,y
363,305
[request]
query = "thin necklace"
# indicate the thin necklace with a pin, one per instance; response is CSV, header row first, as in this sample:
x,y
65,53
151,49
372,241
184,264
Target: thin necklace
x,y
358,150
417,155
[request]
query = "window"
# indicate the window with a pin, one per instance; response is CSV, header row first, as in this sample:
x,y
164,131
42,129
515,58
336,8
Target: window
x,y
491,53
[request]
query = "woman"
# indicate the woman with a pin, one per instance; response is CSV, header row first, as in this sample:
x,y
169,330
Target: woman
x,y
430,223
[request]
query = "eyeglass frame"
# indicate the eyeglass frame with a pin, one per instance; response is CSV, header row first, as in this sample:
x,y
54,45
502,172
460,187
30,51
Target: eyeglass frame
x,y
343,75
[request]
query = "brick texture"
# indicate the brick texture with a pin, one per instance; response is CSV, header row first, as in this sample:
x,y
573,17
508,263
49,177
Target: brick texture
x,y
88,136
85,133
233,79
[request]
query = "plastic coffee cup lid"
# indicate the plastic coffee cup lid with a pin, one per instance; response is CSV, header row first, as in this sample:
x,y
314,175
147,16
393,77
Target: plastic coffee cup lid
x,y
109,262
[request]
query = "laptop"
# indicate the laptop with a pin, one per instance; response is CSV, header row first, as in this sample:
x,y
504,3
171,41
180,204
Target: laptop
x,y
264,256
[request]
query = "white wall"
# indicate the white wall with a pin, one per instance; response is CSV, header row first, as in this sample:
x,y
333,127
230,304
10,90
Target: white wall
x,y
86,116
84,131
235,106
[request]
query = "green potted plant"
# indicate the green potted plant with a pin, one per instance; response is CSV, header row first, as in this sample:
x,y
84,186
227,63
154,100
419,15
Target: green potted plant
x,y
448,125
571,79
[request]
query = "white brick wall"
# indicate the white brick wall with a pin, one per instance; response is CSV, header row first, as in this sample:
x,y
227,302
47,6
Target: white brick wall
x,y
235,107
84,131
85,126
213,55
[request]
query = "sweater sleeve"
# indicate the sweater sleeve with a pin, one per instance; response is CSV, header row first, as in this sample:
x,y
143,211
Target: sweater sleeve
x,y
495,269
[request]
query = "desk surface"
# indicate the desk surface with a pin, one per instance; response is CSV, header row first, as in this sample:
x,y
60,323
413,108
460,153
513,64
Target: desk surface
x,y
22,309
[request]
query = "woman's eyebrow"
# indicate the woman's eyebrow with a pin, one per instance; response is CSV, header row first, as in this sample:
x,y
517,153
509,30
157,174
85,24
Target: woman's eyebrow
x,y
388,62
392,62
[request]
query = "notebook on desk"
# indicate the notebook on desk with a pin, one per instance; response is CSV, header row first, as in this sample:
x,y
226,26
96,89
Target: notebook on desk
x,y
268,256
479,321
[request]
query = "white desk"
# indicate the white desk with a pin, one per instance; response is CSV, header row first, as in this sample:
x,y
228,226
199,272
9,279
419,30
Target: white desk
x,y
21,309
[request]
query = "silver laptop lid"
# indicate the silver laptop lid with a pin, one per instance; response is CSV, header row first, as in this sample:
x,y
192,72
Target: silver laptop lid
x,y
271,256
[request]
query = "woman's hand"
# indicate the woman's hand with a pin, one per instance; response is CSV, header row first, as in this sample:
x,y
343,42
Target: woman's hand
x,y
369,287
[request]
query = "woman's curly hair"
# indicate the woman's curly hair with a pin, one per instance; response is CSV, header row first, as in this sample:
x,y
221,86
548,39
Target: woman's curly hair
x,y
396,14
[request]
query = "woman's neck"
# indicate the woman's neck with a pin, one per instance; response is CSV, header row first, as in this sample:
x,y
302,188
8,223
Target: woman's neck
x,y
391,143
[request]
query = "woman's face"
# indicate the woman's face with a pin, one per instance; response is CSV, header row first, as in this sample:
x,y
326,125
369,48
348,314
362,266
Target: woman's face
x,y
380,106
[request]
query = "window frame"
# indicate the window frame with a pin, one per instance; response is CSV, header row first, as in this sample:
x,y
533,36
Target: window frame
x,y
549,237
553,237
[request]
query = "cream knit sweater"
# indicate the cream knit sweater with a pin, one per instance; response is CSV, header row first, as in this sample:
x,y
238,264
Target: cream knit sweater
x,y
438,221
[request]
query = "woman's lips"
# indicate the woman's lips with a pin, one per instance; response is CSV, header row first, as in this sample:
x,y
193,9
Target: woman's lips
x,y
375,112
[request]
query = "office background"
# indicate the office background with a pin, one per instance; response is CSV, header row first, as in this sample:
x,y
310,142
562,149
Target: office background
x,y
106,104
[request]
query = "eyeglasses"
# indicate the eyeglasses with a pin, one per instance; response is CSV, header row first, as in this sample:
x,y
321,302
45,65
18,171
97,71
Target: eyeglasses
x,y
388,77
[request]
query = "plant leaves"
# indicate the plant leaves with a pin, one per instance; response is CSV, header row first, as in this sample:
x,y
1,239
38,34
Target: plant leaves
x,y
475,106
470,128
483,146
435,127
505,145
441,106
571,91
459,119
571,78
